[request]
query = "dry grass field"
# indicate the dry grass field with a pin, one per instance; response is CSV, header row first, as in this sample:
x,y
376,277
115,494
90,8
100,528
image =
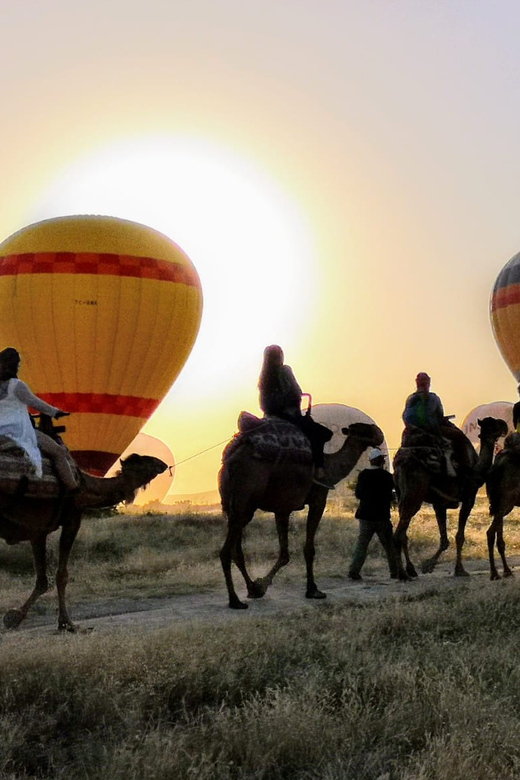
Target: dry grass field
x,y
419,687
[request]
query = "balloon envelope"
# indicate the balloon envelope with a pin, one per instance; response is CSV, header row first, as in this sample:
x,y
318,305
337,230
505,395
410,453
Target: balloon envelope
x,y
143,444
502,410
338,416
104,313
505,314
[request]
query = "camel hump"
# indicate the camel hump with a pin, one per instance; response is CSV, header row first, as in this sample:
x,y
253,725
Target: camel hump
x,y
17,473
272,439
512,442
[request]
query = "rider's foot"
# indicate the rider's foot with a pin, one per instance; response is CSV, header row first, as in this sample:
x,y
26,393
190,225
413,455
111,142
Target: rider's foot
x,y
320,479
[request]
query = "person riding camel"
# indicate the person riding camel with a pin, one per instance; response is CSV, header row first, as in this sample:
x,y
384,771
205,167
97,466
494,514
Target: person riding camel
x,y
16,423
424,410
281,395
516,414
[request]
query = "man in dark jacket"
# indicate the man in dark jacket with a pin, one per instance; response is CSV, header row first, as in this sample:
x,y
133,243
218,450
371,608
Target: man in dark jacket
x,y
375,490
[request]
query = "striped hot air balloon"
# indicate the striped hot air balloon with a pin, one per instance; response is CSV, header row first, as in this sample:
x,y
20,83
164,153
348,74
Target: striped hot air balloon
x,y
505,314
104,313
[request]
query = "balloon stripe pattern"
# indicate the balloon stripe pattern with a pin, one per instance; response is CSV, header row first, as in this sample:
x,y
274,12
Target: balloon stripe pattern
x,y
105,313
91,263
505,314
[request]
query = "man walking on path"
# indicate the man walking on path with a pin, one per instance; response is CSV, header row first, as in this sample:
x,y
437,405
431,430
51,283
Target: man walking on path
x,y
375,490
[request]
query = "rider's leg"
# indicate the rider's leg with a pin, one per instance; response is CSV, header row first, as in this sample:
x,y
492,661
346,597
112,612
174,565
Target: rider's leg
x,y
58,454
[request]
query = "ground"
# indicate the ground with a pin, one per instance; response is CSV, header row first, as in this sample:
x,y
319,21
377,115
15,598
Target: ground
x,y
281,599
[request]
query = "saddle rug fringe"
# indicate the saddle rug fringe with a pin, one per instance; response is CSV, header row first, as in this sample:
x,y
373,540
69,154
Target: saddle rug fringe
x,y
16,466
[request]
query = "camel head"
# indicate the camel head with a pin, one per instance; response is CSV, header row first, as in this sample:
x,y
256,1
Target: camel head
x,y
369,433
492,428
137,471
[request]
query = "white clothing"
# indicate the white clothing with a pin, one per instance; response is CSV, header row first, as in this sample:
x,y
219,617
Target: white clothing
x,y
15,421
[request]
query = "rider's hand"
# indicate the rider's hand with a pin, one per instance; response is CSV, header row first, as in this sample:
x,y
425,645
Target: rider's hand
x,y
60,413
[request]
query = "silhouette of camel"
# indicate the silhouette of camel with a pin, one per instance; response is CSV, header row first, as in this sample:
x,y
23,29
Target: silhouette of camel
x,y
416,484
249,481
27,517
503,490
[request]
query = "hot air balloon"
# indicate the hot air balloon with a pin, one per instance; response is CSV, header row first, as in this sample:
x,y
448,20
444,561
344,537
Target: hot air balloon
x,y
338,416
505,314
502,410
104,313
143,444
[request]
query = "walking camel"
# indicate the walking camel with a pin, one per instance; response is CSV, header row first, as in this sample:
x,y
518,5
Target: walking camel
x,y
503,490
416,483
27,517
251,479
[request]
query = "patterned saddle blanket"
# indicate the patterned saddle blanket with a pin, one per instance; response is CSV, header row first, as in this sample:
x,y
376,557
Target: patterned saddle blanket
x,y
270,439
17,473
431,451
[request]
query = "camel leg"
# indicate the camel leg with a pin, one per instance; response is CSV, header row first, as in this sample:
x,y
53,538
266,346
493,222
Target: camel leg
x,y
410,568
430,563
401,545
254,591
316,509
501,547
232,552
491,534
68,535
465,511
14,617
262,583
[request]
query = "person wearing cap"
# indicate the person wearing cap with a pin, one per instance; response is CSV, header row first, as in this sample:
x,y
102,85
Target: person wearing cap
x,y
375,491
424,410
16,424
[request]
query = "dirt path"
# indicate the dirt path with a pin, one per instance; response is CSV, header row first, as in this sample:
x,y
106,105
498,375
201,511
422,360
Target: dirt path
x,y
282,598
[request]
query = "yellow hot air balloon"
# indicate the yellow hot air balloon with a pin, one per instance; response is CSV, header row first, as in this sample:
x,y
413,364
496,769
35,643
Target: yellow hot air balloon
x,y
505,314
104,313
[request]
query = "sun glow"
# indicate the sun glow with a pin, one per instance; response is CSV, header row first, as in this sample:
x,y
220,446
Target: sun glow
x,y
246,238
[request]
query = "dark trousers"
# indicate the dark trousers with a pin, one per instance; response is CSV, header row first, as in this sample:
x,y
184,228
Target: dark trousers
x,y
384,531
317,434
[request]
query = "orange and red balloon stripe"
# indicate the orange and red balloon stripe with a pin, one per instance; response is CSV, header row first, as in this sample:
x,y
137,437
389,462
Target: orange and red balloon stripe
x,y
98,264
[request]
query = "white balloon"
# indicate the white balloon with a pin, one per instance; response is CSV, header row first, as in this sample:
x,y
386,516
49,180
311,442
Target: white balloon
x,y
338,416
503,410
143,444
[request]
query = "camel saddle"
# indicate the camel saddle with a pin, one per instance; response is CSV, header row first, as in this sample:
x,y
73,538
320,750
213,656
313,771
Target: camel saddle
x,y
431,451
17,477
271,439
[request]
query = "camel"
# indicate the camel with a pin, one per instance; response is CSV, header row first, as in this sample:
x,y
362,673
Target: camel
x,y
503,490
416,484
27,517
248,482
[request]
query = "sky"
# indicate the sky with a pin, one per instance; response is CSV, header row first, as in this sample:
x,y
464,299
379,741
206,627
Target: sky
x,y
344,175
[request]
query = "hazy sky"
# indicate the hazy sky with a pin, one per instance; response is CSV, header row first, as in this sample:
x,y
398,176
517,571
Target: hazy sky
x,y
345,176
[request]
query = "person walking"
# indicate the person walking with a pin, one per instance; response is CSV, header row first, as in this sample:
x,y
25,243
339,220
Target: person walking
x,y
375,491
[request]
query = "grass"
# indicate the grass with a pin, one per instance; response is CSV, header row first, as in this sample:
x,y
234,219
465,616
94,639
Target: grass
x,y
415,688
403,689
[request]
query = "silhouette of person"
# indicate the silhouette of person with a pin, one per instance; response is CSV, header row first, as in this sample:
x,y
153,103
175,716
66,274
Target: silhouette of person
x,y
281,395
